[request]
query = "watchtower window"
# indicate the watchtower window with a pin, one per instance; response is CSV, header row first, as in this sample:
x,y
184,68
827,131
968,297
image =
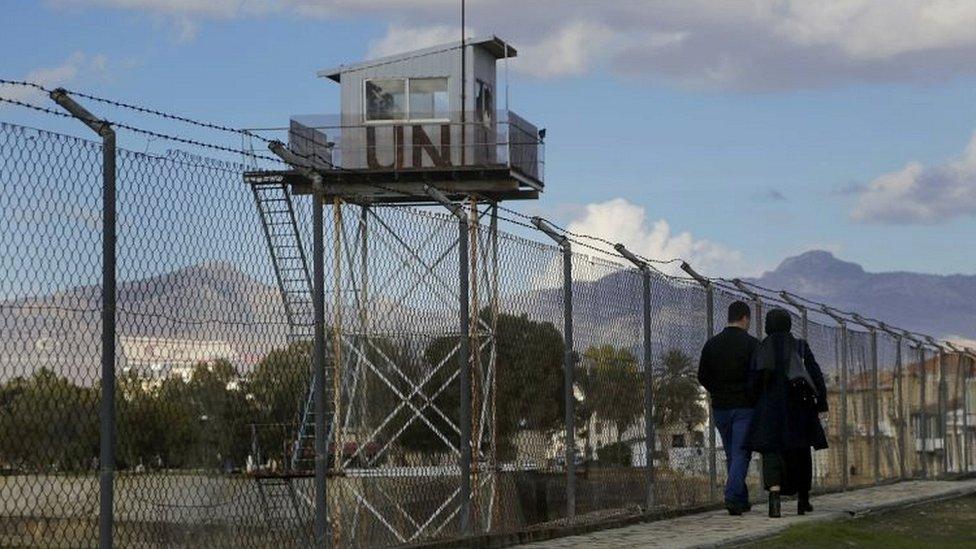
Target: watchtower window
x,y
386,99
428,98
395,99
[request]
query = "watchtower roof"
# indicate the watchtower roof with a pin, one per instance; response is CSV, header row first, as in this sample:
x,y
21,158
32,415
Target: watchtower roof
x,y
494,45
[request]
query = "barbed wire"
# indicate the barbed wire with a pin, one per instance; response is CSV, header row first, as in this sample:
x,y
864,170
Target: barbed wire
x,y
151,133
601,240
141,109
155,112
523,220
35,107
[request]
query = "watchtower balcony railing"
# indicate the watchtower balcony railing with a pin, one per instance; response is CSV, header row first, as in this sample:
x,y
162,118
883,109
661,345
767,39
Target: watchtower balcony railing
x,y
506,141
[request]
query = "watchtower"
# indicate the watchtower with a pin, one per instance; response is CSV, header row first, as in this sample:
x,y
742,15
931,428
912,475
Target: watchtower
x,y
417,129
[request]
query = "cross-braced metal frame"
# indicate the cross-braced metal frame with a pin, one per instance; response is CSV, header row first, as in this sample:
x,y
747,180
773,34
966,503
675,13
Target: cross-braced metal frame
x,y
376,267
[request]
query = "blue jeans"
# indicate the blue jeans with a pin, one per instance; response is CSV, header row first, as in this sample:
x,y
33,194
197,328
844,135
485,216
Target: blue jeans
x,y
733,426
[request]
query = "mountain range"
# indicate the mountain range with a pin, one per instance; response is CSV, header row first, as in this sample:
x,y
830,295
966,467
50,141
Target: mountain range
x,y
205,302
938,305
218,302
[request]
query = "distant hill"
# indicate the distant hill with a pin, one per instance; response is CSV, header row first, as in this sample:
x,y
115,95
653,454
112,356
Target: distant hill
x,y
213,302
208,303
939,305
204,302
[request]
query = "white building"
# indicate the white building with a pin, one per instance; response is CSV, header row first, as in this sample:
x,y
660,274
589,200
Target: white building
x,y
156,358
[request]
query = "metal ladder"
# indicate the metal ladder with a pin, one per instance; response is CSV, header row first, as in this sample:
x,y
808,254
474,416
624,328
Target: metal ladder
x,y
277,212
283,512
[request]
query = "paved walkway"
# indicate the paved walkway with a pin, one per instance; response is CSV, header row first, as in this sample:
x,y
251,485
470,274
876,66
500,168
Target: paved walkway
x,y
717,528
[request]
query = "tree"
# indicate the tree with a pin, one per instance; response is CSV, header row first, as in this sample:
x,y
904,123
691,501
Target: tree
x,y
677,398
199,422
528,380
143,431
219,412
611,386
529,377
48,423
278,387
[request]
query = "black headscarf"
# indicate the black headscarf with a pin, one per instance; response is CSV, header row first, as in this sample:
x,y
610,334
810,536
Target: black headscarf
x,y
778,321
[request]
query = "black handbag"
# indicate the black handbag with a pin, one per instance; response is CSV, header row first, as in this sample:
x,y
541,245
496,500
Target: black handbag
x,y
801,384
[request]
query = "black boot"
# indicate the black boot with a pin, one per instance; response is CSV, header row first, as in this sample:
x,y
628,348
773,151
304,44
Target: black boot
x,y
803,504
774,505
733,508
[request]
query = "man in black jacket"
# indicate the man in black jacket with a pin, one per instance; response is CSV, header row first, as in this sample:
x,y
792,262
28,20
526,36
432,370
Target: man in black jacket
x,y
724,372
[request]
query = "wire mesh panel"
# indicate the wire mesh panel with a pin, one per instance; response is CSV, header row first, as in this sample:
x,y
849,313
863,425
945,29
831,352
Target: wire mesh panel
x,y
608,379
680,406
531,441
917,402
954,412
211,370
216,420
891,417
50,204
392,312
860,395
968,364
929,416
826,342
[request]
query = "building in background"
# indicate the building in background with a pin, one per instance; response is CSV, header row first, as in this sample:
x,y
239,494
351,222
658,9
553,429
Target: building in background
x,y
158,358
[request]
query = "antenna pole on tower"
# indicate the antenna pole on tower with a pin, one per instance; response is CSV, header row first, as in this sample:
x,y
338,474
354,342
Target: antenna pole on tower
x,y
464,78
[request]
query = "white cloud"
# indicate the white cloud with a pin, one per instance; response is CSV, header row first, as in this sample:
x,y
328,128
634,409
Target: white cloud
x,y
201,8
570,50
618,220
76,65
922,194
759,44
399,39
870,29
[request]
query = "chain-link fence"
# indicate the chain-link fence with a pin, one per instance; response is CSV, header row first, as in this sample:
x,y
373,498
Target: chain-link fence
x,y
218,432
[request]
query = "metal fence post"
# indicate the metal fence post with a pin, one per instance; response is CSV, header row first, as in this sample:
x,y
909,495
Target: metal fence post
x,y
648,376
759,318
959,455
943,410
710,332
321,532
464,361
875,408
322,537
712,458
971,358
844,434
942,405
757,305
106,453
568,361
923,416
875,396
901,410
899,400
843,404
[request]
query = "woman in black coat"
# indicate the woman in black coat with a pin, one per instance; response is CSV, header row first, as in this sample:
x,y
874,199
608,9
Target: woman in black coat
x,y
785,422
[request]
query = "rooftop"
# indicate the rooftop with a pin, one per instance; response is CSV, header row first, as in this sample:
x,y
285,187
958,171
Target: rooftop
x,y
499,48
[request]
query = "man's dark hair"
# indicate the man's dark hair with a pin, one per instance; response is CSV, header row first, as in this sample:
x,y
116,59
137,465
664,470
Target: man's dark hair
x,y
738,310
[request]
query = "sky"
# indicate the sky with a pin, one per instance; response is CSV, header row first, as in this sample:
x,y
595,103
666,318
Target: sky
x,y
731,134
